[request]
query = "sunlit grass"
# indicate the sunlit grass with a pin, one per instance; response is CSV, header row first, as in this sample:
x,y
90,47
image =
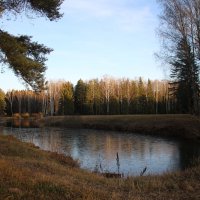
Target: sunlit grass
x,y
184,126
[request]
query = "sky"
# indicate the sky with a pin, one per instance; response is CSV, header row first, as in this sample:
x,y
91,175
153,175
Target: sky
x,y
116,38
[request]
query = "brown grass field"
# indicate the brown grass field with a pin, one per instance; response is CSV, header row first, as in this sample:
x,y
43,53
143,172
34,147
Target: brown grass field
x,y
184,126
29,173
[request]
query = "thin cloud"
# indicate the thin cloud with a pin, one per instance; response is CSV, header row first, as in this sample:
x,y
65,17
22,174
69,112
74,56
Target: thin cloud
x,y
136,19
98,8
127,17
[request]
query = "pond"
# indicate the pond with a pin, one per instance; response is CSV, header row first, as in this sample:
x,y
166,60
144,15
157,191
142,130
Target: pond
x,y
97,149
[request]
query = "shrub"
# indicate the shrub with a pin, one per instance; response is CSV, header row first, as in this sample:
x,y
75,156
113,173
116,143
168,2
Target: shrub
x,y
25,115
16,116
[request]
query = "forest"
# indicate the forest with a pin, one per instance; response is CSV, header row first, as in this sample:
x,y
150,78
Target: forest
x,y
107,96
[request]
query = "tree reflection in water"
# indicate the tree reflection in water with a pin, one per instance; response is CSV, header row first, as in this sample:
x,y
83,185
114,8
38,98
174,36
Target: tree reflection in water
x,y
92,147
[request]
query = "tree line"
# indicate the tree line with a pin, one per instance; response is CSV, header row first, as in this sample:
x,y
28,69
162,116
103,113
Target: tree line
x,y
107,96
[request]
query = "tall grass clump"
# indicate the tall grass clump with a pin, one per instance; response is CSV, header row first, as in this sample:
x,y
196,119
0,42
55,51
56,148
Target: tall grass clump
x,y
16,116
25,115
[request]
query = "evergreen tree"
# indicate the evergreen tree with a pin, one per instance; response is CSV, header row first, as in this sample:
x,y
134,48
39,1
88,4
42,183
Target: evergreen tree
x,y
66,106
142,100
25,58
185,84
90,97
114,106
80,97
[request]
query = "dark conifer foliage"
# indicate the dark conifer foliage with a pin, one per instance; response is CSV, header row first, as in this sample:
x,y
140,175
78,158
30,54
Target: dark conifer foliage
x,y
25,57
80,97
66,104
50,8
184,72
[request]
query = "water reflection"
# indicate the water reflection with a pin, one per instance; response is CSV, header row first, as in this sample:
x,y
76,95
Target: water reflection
x,y
22,123
94,147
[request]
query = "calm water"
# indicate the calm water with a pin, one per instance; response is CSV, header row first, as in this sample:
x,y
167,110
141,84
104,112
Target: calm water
x,y
94,148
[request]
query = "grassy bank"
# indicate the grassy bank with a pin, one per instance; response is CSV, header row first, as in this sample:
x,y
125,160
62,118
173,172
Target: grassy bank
x,y
29,173
185,126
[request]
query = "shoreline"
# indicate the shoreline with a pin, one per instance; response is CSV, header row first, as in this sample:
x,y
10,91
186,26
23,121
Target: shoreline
x,y
181,126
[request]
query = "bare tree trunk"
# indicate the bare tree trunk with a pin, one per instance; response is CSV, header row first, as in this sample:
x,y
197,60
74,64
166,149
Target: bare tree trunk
x,y
10,97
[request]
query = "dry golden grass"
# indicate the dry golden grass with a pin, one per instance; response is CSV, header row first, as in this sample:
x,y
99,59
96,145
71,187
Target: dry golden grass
x,y
185,126
25,115
27,172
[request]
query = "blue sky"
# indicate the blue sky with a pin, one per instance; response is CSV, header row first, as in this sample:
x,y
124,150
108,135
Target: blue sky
x,y
93,39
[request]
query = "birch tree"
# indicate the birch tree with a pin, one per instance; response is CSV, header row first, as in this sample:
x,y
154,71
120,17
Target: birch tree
x,y
2,102
10,98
